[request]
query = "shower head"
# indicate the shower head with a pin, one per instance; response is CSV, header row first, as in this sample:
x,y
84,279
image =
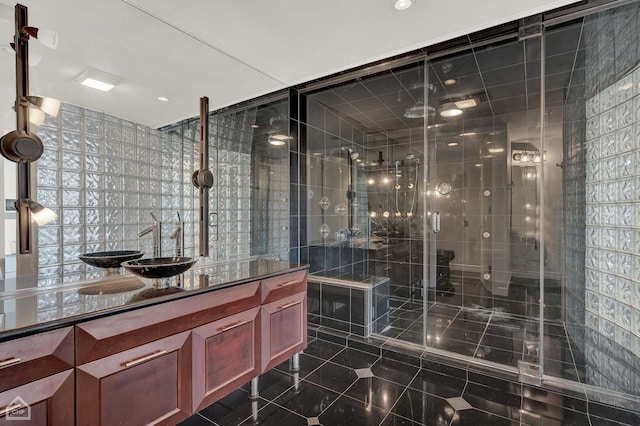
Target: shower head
x,y
353,154
412,157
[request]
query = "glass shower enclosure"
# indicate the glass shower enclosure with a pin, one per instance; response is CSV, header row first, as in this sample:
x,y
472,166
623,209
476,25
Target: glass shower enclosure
x,y
478,200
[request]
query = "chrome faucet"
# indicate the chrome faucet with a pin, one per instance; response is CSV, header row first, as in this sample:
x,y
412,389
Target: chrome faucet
x,y
155,228
178,235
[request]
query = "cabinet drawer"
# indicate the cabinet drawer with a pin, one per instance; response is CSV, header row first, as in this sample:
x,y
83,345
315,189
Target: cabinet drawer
x,y
105,336
284,329
47,402
283,286
149,384
33,357
226,354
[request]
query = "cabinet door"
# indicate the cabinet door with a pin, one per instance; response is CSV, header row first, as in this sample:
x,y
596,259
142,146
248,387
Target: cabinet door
x,y
31,358
284,329
226,354
47,402
149,384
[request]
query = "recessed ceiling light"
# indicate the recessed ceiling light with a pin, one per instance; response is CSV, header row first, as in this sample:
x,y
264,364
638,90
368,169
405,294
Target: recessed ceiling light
x,y
468,134
98,80
452,144
450,82
163,99
449,109
278,139
254,126
97,84
402,4
495,150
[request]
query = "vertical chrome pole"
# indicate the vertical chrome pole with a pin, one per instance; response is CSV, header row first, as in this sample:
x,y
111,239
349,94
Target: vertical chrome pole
x,y
203,178
21,46
204,165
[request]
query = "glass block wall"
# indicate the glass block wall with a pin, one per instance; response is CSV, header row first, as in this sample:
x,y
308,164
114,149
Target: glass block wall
x,y
103,175
613,223
612,213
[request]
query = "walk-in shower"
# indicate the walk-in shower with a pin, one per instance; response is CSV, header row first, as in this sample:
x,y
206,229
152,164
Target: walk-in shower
x,y
491,194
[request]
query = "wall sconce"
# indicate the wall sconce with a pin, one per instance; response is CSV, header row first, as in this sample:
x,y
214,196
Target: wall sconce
x,y
39,213
528,157
20,145
28,210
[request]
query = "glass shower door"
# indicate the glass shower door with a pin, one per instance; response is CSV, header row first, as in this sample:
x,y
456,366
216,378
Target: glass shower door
x,y
486,107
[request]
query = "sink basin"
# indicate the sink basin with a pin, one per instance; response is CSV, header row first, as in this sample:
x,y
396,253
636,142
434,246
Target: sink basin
x,y
159,267
109,259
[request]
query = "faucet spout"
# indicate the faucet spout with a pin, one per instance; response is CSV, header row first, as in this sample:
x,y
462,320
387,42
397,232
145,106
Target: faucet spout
x,y
155,229
178,235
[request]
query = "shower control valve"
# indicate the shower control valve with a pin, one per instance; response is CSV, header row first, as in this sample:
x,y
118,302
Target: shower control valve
x,y
202,179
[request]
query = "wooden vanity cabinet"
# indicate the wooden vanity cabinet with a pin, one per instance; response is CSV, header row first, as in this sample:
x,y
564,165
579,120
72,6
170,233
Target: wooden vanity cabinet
x,y
226,355
149,384
36,374
137,367
283,318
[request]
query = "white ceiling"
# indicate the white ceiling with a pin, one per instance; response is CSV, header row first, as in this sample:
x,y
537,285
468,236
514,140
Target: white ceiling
x,y
229,50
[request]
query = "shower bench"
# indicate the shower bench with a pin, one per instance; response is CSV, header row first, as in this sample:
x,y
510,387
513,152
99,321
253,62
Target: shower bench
x,y
357,304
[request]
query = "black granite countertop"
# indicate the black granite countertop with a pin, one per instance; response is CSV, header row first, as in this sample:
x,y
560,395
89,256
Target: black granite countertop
x,y
29,306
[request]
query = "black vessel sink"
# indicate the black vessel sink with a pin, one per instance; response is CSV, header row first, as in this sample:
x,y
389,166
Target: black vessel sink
x,y
110,259
159,267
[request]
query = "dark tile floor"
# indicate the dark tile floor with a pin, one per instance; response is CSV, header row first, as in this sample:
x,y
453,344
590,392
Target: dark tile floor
x,y
341,385
493,335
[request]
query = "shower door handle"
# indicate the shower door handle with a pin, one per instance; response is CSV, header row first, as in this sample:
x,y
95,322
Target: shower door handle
x,y
435,222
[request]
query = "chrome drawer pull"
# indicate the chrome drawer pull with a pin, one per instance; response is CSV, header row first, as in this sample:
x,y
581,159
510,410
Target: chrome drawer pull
x,y
288,305
143,359
232,326
9,361
288,283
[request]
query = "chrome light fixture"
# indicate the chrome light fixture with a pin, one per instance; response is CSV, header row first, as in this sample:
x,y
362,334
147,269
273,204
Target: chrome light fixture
x,y
449,109
419,110
21,146
39,213
278,139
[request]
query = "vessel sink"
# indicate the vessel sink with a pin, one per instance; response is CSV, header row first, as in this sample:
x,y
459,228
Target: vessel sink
x,y
109,259
159,267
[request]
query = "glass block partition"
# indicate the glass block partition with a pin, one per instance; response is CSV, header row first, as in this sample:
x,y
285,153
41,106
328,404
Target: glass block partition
x,y
613,233
103,175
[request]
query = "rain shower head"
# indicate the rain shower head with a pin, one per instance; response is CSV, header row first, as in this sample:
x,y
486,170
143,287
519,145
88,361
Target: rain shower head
x,y
352,154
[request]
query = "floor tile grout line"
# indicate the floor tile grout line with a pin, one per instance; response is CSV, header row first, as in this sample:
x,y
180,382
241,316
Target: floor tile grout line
x,y
484,332
209,420
573,358
390,411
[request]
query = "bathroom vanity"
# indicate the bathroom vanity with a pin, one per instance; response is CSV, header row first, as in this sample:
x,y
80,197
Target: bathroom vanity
x,y
157,360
